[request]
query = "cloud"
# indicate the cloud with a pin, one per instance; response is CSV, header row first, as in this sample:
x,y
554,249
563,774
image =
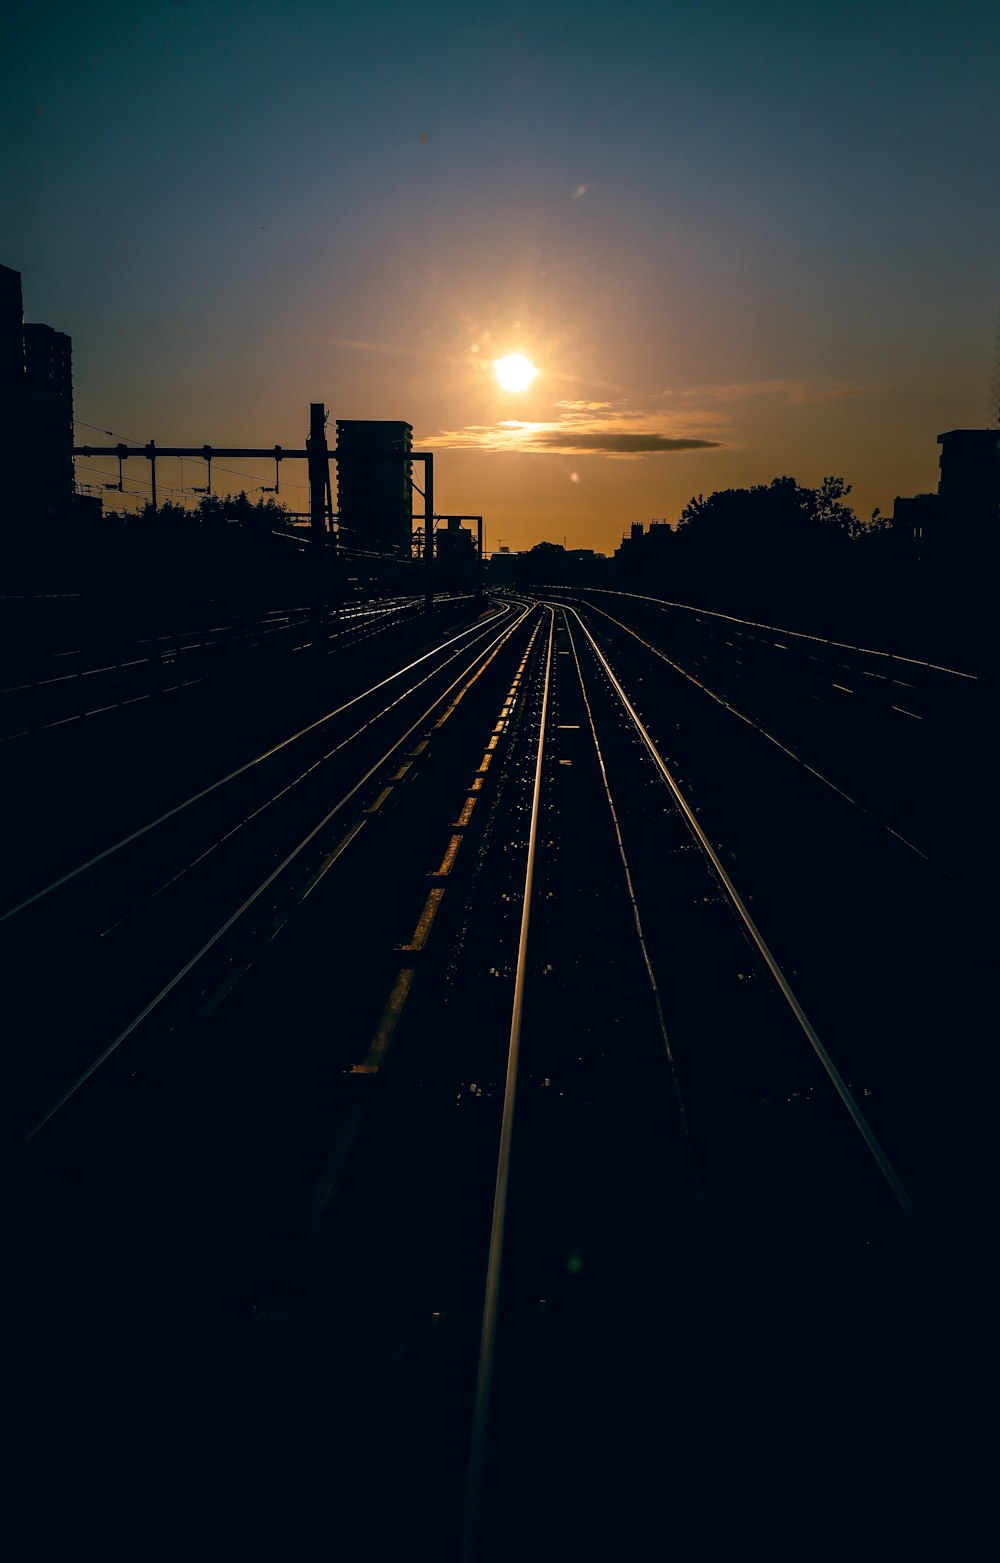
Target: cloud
x,y
615,444
566,439
582,426
703,417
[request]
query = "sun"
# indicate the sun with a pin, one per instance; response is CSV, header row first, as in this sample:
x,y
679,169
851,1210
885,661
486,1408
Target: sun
x,y
514,372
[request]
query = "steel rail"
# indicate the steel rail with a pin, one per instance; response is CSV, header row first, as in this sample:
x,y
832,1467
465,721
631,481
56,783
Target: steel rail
x,y
286,787
637,919
833,1074
764,732
777,629
250,900
328,1185
487,1348
259,759
231,634
226,639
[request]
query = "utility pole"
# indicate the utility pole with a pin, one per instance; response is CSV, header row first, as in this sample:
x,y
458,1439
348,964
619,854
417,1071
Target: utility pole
x,y
427,457
319,470
317,455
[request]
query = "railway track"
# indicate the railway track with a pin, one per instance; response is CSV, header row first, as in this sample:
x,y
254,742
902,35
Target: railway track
x,y
84,683
77,784
208,877
889,732
647,1165
565,1226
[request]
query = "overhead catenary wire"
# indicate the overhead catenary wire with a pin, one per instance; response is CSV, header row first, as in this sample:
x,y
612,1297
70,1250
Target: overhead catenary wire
x,y
300,488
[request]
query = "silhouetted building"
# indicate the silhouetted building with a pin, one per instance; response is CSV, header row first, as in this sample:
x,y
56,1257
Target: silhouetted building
x,y
458,560
11,388
969,486
629,548
916,523
641,548
374,494
454,540
36,412
48,385
11,334
960,524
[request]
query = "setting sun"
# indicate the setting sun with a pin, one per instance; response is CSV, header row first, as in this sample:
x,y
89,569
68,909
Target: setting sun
x,y
514,372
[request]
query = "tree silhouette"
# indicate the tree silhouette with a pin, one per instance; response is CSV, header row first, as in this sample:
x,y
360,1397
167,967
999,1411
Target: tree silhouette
x,y
545,564
778,548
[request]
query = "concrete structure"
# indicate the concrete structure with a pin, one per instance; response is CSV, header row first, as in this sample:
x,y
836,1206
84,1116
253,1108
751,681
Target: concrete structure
x,y
640,547
969,487
960,524
456,555
11,335
11,391
916,523
374,492
36,413
48,433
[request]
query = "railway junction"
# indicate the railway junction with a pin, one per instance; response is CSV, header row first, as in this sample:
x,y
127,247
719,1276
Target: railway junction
x,y
512,1086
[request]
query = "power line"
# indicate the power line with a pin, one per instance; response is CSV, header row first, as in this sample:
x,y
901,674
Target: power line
x,y
232,472
133,439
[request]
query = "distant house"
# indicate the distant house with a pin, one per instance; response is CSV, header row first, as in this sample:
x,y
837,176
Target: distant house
x,y
916,522
642,548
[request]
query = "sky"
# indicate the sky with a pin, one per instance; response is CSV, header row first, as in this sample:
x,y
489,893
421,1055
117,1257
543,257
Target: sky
x,y
737,239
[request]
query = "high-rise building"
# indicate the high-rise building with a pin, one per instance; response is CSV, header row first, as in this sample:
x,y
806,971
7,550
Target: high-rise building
x,y
11,333
959,525
374,492
11,388
36,413
970,480
48,387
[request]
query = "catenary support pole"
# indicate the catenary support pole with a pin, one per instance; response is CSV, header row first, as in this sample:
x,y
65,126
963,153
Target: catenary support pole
x,y
319,470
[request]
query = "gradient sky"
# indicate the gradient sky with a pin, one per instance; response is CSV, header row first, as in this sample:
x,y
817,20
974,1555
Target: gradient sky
x,y
738,239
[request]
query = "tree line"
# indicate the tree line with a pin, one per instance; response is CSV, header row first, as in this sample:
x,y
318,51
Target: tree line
x,y
784,553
